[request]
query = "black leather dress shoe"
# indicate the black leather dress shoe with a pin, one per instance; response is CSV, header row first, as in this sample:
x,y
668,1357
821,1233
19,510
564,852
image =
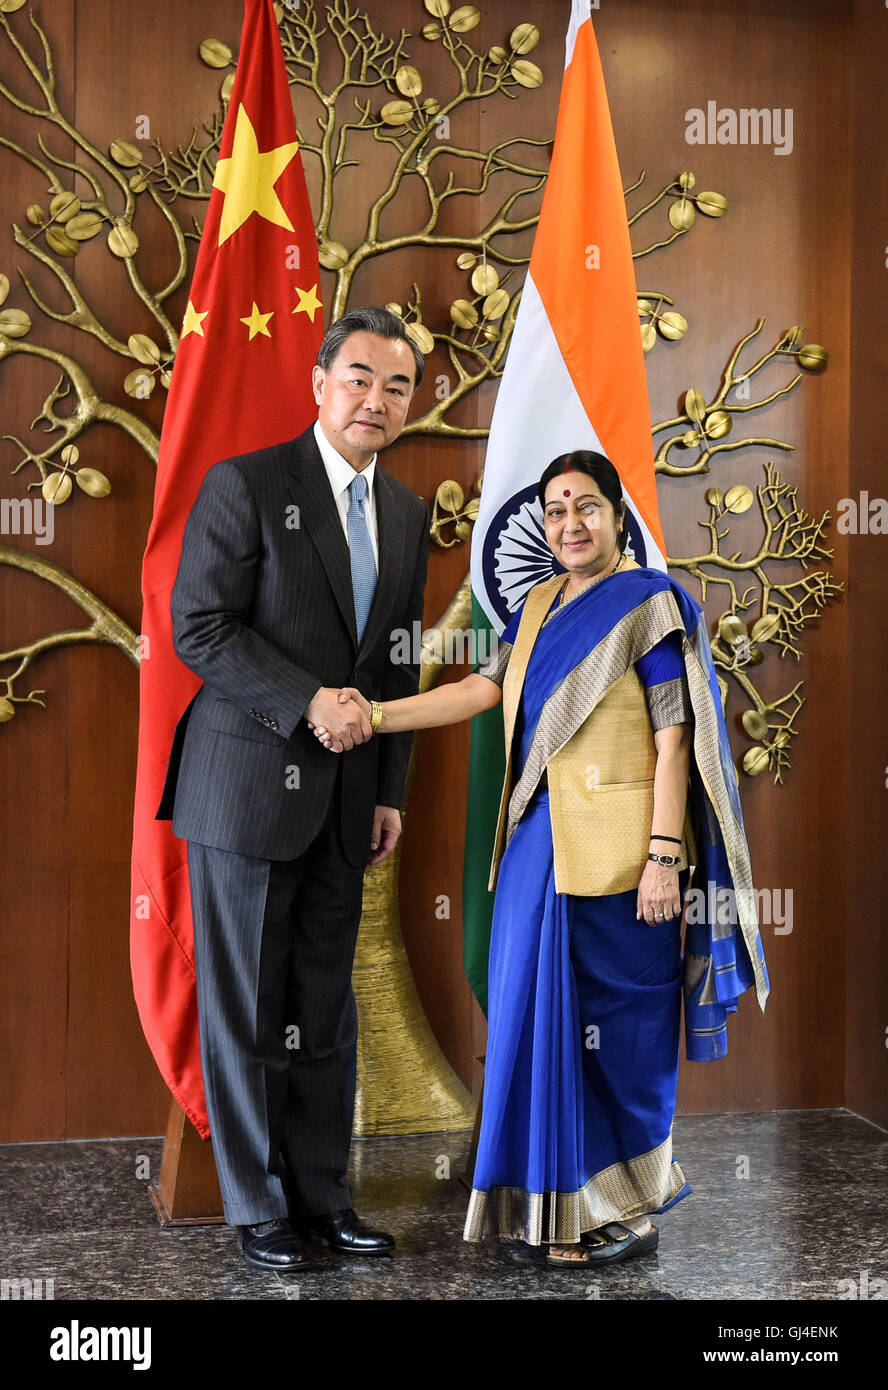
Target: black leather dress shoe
x,y
274,1245
346,1232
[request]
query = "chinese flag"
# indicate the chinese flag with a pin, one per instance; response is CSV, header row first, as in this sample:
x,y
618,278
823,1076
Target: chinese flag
x,y
242,380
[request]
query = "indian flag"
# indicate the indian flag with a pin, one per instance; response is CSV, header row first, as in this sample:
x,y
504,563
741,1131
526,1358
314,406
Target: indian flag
x,y
574,379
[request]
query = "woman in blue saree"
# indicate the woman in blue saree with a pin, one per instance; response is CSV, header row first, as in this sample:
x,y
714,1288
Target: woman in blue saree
x,y
619,783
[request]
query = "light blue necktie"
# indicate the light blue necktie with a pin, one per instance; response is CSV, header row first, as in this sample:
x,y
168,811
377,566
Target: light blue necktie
x,y
363,565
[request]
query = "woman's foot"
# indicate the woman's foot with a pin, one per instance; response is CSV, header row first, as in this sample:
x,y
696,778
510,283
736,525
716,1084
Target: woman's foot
x,y
639,1224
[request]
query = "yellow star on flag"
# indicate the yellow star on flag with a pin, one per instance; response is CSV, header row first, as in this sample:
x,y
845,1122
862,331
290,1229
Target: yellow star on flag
x,y
247,179
308,302
257,322
193,321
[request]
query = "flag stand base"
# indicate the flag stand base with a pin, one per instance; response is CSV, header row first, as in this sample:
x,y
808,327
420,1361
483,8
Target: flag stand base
x,y
187,1190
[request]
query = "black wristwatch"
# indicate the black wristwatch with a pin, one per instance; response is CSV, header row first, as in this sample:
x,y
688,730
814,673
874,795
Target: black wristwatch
x,y
668,861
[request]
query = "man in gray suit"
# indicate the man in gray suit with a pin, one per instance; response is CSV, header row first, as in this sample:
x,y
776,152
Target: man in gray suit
x,y
297,563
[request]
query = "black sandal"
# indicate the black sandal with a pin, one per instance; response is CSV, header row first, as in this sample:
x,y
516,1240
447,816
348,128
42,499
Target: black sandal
x,y
612,1243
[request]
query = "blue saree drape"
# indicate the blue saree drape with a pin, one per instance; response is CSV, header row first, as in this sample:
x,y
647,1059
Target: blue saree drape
x,y
584,999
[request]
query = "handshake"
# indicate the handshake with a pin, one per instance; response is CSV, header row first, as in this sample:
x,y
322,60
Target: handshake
x,y
339,719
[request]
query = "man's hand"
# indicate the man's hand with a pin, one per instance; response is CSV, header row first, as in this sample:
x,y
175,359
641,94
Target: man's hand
x,y
339,726
386,829
323,729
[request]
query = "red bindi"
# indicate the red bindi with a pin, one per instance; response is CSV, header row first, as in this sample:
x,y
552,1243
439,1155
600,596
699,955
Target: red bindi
x,y
567,492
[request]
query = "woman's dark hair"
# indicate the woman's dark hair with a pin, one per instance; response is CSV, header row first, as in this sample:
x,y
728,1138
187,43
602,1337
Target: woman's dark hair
x,y
600,470
382,322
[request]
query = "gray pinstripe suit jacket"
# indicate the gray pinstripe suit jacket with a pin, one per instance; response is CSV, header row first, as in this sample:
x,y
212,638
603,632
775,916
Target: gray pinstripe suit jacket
x,y
263,612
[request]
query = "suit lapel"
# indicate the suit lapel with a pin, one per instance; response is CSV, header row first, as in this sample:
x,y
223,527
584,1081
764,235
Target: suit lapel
x,y
310,489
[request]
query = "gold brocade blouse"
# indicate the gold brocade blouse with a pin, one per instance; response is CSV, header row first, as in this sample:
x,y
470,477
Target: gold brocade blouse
x,y
601,778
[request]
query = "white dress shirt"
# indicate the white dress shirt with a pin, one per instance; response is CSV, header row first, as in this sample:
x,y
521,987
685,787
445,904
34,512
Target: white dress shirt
x,y
340,475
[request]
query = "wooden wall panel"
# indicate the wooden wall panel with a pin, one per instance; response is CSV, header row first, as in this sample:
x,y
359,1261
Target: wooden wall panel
x,y
784,252
864,845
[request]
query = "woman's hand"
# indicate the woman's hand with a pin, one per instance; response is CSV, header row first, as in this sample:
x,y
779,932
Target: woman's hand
x,y
659,899
322,733
348,692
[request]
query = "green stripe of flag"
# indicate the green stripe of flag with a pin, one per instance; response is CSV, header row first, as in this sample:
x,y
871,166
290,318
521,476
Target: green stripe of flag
x,y
487,765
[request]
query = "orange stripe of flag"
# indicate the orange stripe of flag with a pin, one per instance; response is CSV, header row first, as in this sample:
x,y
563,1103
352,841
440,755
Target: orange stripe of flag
x,y
594,312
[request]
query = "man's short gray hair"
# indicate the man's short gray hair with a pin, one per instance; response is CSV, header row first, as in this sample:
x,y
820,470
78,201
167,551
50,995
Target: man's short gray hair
x,y
371,319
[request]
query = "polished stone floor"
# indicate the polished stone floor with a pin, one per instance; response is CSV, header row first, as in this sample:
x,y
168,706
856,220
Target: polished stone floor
x,y
785,1205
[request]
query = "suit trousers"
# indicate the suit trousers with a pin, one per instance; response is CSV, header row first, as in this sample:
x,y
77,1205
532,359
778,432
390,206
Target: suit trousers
x,y
274,944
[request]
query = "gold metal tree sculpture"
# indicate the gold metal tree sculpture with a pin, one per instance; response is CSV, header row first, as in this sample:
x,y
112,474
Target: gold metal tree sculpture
x,y
364,97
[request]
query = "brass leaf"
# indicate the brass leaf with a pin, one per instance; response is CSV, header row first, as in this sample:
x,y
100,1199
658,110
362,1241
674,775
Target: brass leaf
x,y
672,325
498,54
717,424
713,496
57,488
490,332
332,254
484,279
463,313
7,710
227,87
462,530
687,179
408,81
755,724
526,73
93,482
60,242
165,379
764,630
471,507
395,309
465,18
4,287
738,499
143,349
138,181
34,214
14,323
432,31
396,112
713,204
138,383
450,496
125,153
466,259
648,336
755,761
84,226
496,304
695,404
10,6
70,454
122,240
523,38
215,53
731,628
813,357
682,215
421,336
438,8
63,206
